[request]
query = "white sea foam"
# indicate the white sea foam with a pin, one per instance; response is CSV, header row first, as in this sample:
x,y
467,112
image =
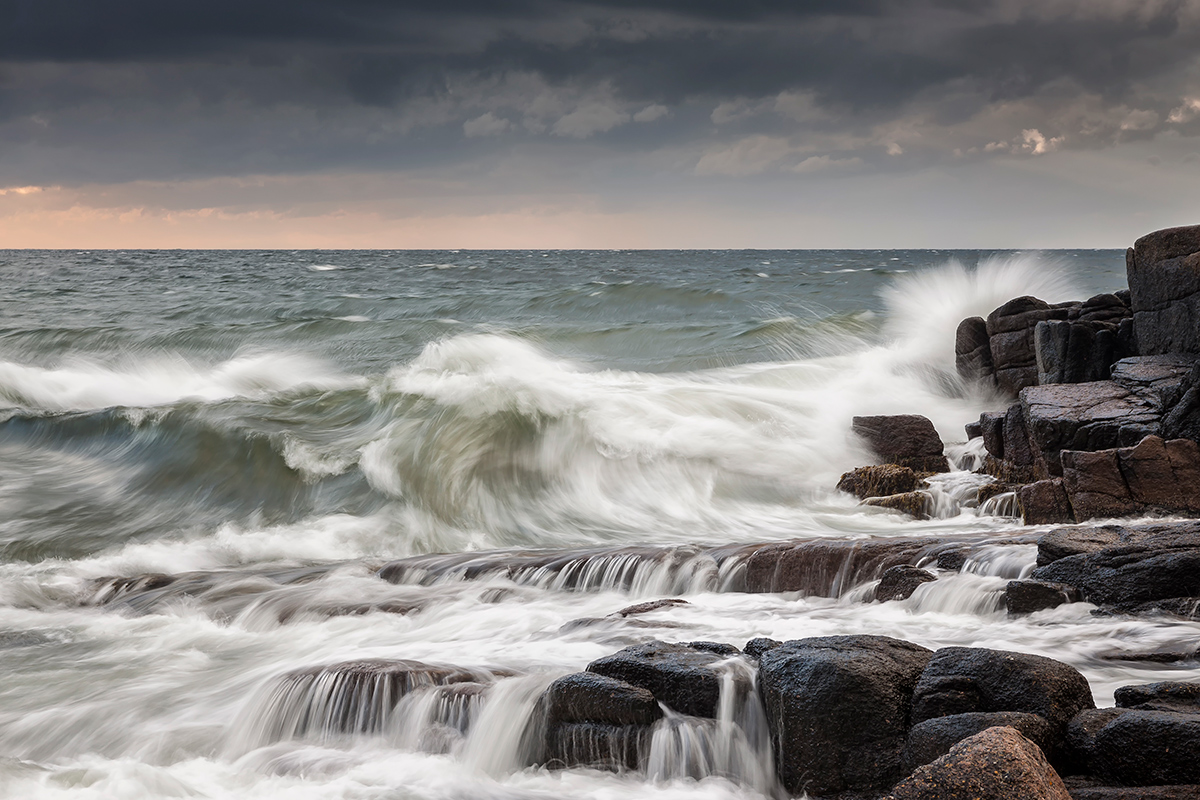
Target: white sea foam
x,y
79,385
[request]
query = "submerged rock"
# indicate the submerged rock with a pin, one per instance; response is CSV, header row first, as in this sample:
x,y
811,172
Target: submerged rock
x,y
914,504
908,440
880,480
684,677
899,582
1026,596
596,721
996,764
838,709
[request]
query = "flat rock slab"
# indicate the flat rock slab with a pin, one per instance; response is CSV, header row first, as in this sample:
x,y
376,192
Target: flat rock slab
x,y
1125,566
1085,416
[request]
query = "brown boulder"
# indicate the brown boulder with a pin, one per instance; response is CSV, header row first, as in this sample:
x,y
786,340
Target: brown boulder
x,y
996,764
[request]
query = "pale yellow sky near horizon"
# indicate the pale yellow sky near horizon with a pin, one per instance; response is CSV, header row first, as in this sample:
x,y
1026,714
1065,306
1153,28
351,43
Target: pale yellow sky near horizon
x,y
1062,200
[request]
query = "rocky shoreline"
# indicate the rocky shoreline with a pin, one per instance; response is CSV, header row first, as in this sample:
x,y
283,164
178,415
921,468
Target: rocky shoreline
x,y
1104,423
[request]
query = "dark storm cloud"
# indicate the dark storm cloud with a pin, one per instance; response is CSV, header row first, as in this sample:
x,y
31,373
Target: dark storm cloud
x,y
112,90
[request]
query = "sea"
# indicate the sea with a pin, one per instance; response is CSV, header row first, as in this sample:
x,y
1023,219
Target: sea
x,y
270,428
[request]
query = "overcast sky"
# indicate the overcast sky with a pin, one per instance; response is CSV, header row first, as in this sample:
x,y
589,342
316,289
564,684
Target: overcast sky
x,y
667,123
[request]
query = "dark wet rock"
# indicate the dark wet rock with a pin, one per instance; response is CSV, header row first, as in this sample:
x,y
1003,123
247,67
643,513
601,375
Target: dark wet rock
x,y
1026,596
1136,792
996,764
756,647
1010,331
1078,351
1080,540
914,504
1018,447
588,697
719,648
991,426
685,678
589,744
990,490
933,738
651,605
973,430
1080,738
899,582
1131,566
838,710
1084,416
908,440
959,680
1044,503
1146,748
1179,696
952,560
972,352
1164,283
880,480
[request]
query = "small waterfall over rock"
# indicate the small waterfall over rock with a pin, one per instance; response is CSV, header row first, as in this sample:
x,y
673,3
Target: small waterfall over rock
x,y
735,745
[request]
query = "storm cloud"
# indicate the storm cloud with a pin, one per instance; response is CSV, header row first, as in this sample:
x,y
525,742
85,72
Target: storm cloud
x,y
95,93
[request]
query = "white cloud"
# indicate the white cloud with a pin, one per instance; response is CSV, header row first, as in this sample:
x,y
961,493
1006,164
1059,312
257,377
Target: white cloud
x,y
1138,120
749,156
21,190
821,163
894,149
486,125
1186,112
588,119
651,113
1032,141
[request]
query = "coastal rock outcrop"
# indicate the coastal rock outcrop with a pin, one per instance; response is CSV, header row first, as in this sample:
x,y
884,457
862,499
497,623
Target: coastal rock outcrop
x,y
1164,285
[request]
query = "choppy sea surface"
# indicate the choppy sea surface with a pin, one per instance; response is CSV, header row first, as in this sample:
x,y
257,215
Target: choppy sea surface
x,y
242,416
